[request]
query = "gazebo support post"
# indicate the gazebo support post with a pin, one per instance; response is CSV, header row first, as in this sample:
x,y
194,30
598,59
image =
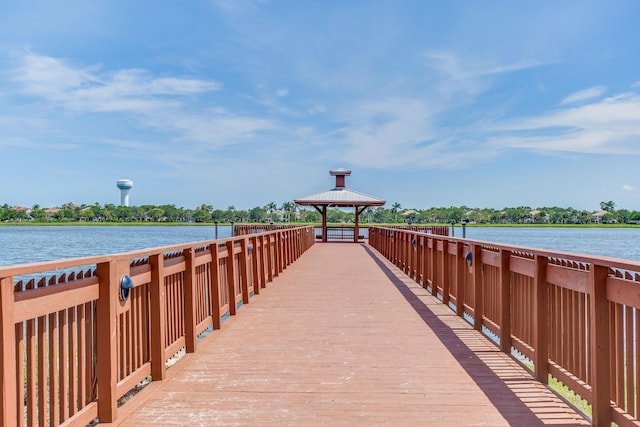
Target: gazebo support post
x,y
324,223
356,230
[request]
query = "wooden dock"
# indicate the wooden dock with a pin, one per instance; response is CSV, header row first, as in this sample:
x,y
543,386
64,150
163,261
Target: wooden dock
x,y
342,337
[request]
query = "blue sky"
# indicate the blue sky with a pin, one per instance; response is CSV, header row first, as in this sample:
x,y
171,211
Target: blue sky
x,y
237,102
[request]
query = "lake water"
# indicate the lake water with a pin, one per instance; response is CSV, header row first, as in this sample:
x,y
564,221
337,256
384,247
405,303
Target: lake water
x,y
612,242
27,244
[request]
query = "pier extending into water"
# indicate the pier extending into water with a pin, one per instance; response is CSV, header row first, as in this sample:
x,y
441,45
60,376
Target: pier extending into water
x,y
408,328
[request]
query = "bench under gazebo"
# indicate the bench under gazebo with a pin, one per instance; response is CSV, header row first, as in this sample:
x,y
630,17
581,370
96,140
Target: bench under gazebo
x,y
340,197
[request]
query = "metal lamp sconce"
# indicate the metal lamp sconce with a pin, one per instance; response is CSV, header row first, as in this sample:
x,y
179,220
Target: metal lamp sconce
x,y
469,259
126,284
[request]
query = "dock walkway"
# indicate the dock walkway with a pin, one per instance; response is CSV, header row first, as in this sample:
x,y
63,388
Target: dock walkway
x,y
343,337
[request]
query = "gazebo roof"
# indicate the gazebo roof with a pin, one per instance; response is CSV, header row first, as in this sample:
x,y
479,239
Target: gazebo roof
x,y
340,196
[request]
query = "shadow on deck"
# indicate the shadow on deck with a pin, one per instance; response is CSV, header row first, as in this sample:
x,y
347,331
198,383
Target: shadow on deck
x,y
343,337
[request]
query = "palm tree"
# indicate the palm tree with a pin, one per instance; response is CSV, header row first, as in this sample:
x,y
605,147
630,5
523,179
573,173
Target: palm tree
x,y
288,207
270,207
395,208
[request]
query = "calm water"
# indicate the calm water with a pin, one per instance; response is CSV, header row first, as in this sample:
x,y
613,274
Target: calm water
x,y
611,242
21,245
31,244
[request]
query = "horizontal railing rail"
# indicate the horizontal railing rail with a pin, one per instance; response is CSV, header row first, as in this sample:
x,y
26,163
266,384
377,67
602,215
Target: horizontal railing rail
x,y
574,317
440,230
240,229
347,232
72,346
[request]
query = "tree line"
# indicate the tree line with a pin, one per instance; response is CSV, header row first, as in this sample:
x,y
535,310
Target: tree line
x,y
290,212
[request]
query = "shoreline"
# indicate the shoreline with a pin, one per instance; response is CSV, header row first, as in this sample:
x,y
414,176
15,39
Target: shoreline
x,y
228,224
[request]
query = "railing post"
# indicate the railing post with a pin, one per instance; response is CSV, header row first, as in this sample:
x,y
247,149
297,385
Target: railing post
x,y
432,266
478,301
158,317
214,286
109,274
281,262
255,264
392,246
419,257
412,259
407,253
270,257
444,265
287,248
262,267
599,346
541,320
404,253
232,274
9,405
505,302
426,256
190,301
277,253
244,270
461,265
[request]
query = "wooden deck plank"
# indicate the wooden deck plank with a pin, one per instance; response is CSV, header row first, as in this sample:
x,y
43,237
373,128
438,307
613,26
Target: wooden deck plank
x,y
342,337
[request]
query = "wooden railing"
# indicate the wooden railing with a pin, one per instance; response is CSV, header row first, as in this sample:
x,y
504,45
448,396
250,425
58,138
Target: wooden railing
x,y
575,317
71,347
240,229
440,230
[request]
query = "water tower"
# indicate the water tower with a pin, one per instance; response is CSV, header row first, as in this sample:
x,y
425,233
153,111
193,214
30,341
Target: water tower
x,y
124,185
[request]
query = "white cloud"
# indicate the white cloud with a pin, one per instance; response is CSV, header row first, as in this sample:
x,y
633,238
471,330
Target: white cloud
x,y
627,187
610,126
401,133
457,68
282,92
170,107
584,95
90,90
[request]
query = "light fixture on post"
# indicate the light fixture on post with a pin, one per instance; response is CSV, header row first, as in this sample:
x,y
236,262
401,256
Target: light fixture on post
x,y
126,284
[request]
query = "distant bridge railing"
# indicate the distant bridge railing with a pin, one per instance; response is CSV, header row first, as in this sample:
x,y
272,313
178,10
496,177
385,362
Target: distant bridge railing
x,y
575,317
71,347
346,232
240,229
440,230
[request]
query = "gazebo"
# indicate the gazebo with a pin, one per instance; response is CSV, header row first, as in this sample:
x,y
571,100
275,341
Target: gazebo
x,y
341,197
